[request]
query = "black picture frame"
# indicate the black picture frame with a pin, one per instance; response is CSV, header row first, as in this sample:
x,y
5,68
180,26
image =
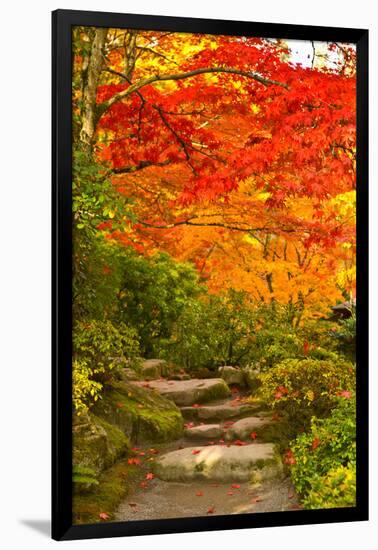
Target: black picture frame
x,y
62,527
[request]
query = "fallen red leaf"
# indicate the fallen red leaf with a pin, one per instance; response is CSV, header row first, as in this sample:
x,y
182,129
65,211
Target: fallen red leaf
x,y
315,443
230,493
150,475
143,484
135,461
253,435
199,494
195,451
104,516
211,510
235,486
239,443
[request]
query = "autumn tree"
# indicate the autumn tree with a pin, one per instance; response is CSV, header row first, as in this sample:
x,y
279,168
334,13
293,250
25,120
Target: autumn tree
x,y
232,156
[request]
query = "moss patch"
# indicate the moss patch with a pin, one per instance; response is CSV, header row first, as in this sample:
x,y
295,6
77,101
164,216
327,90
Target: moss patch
x,y
114,485
142,415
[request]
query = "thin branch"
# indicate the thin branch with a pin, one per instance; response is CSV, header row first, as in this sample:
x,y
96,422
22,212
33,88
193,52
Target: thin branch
x,y
181,76
143,164
214,224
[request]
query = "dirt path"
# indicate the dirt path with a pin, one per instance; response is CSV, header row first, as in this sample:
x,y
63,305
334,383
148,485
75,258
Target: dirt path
x,y
163,500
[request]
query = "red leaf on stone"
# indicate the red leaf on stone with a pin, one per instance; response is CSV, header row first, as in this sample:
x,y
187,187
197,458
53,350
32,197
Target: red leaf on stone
x,y
253,435
211,510
104,516
235,486
195,451
230,493
199,494
239,443
150,475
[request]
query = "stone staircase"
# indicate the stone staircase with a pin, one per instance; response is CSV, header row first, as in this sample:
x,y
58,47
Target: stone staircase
x,y
222,436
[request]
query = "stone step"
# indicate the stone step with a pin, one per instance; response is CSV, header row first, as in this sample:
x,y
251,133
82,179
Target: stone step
x,y
188,392
255,462
242,429
219,412
206,431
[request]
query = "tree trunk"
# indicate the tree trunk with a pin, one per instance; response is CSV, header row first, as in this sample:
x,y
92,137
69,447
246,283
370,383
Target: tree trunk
x,y
94,68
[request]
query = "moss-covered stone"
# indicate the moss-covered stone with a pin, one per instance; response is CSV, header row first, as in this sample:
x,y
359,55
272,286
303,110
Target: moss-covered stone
x,y
142,415
96,443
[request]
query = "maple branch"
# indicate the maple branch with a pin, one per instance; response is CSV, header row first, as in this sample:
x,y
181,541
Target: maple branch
x,y
143,164
214,224
182,76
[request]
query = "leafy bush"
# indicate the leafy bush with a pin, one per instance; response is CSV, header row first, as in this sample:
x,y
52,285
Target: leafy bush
x,y
97,207
345,336
101,345
98,347
153,293
84,390
302,388
323,461
213,331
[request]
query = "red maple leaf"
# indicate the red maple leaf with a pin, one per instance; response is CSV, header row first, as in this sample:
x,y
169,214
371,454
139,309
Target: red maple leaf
x,y
104,516
135,461
150,475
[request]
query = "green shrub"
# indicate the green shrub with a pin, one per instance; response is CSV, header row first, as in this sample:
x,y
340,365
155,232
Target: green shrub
x,y
98,347
302,388
85,390
153,293
213,331
323,461
345,336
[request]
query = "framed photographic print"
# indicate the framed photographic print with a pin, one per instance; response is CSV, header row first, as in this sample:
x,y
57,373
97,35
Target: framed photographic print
x,y
210,361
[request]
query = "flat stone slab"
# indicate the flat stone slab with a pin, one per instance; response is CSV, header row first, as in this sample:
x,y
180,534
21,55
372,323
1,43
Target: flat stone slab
x,y
255,462
189,392
217,412
207,431
243,428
